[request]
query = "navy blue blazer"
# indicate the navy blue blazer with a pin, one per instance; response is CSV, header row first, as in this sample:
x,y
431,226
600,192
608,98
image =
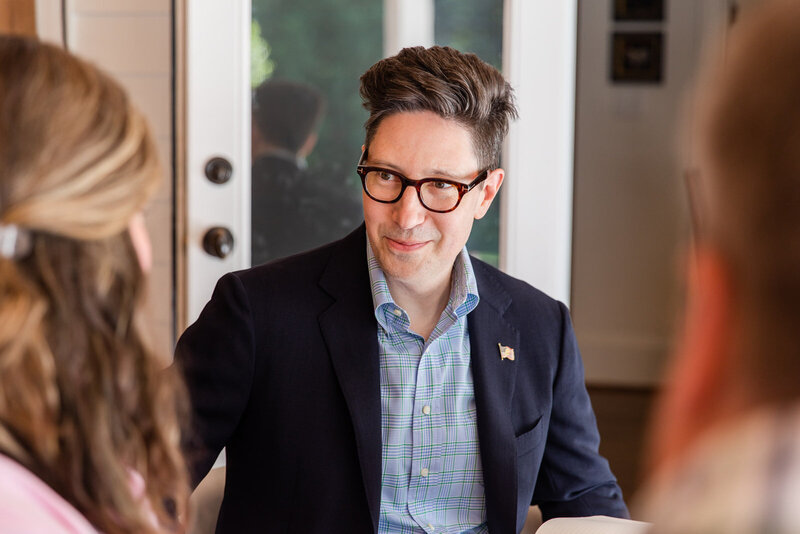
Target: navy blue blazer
x,y
282,368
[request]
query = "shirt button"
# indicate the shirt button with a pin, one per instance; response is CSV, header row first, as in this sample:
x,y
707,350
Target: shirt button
x,y
397,312
424,472
430,527
426,410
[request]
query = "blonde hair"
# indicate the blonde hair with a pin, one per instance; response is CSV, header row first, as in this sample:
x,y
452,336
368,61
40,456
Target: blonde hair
x,y
83,401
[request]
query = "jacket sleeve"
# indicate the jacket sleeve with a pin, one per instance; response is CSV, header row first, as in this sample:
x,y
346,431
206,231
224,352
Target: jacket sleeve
x,y
574,480
216,358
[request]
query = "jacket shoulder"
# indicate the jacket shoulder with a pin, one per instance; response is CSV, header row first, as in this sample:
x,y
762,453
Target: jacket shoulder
x,y
302,271
518,294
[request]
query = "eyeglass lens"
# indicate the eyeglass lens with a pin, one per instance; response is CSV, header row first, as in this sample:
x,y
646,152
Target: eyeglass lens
x,y
434,194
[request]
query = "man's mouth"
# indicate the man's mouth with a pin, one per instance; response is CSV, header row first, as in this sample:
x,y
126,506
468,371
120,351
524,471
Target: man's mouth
x,y
405,245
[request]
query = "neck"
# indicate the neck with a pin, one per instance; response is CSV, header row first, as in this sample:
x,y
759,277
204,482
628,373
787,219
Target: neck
x,y
424,304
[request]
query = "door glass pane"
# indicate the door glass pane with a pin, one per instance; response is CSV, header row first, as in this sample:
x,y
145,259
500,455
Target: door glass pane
x,y
475,26
305,191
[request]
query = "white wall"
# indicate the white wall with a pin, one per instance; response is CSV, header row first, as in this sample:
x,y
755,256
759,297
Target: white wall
x,y
630,215
132,40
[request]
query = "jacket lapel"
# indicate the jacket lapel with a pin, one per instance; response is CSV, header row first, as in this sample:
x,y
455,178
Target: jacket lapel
x,y
494,379
350,332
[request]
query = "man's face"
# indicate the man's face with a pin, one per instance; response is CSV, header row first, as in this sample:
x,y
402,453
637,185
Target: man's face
x,y
415,246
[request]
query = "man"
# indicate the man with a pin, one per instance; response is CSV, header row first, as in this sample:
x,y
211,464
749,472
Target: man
x,y
291,206
727,446
388,382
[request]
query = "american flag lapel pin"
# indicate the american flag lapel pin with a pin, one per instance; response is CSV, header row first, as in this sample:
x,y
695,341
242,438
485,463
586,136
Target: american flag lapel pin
x,y
506,353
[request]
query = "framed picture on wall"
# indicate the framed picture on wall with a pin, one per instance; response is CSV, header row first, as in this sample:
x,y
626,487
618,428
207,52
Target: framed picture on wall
x,y
652,10
637,57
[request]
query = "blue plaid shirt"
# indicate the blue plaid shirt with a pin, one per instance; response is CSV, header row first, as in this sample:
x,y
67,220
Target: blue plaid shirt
x,y
432,480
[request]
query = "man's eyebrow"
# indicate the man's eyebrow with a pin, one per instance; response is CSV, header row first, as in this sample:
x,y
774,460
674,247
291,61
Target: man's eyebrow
x,y
445,174
438,173
380,163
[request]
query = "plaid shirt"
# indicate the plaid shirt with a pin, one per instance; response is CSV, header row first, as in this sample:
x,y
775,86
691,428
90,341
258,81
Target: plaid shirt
x,y
432,480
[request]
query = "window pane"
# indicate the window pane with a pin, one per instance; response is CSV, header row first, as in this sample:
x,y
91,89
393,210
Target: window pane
x,y
475,26
320,48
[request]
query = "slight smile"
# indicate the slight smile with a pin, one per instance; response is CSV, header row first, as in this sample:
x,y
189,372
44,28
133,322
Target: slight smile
x,y
405,246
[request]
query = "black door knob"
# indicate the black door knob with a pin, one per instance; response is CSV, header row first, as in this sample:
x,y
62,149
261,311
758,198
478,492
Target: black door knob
x,y
219,170
218,242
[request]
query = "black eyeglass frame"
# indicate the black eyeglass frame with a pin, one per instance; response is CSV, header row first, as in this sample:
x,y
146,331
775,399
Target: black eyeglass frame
x,y
463,189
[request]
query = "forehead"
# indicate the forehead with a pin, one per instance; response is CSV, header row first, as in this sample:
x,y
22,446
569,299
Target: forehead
x,y
423,142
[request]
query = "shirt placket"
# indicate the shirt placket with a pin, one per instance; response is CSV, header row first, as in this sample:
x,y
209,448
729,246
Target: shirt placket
x,y
428,433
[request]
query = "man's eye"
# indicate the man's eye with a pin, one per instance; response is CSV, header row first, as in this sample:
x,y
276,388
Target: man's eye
x,y
387,176
442,186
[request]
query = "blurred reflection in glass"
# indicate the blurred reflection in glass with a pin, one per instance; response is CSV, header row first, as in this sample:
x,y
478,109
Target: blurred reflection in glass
x,y
323,47
292,209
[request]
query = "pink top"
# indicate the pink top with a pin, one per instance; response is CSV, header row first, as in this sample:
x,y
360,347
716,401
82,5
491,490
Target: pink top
x,y
28,505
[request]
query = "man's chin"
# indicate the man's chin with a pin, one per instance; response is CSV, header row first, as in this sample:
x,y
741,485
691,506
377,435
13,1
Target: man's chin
x,y
399,266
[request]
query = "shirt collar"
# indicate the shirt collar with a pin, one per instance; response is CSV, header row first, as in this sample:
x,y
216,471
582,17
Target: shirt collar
x,y
463,288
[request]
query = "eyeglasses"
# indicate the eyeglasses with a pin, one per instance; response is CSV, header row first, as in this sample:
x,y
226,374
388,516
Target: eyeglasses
x,y
435,194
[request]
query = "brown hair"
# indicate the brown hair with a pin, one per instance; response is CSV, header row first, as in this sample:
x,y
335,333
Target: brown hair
x,y
287,113
749,136
83,401
447,82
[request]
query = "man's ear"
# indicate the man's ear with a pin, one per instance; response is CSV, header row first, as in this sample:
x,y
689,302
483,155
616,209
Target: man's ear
x,y
489,191
308,146
697,386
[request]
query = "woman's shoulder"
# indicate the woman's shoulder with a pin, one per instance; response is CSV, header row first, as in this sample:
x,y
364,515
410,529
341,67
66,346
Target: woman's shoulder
x,y
28,505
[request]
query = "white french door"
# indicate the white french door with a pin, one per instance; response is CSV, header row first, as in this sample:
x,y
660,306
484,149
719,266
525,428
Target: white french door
x,y
217,144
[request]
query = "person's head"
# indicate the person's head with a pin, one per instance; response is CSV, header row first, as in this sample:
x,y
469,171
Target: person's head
x,y
433,112
453,85
739,348
83,401
286,116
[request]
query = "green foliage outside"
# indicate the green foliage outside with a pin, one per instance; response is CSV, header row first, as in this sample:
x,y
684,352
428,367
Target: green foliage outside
x,y
261,65
474,26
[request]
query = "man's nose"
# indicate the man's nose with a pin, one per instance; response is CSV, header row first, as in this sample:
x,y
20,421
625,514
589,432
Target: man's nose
x,y
408,212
